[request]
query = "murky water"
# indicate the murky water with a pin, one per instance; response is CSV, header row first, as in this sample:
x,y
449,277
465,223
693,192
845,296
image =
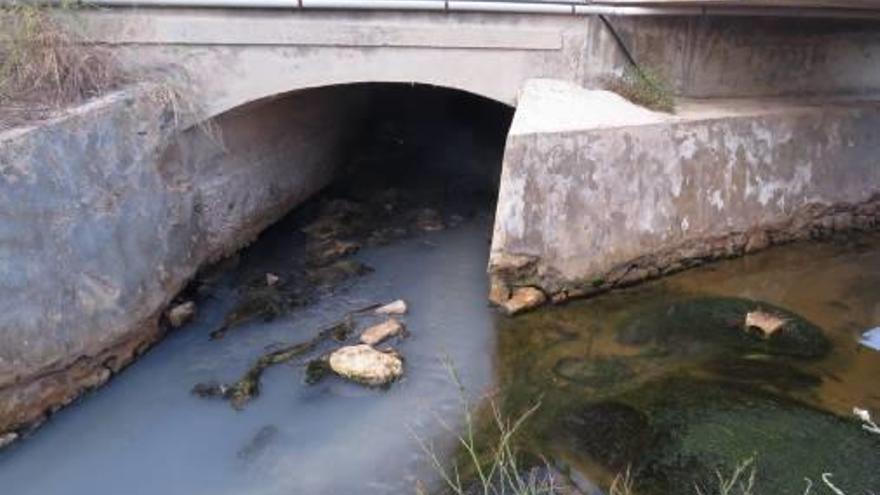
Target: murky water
x,y
145,434
636,379
663,380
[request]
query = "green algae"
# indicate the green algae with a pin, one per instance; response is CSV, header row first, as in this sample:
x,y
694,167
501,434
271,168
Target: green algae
x,y
705,326
698,428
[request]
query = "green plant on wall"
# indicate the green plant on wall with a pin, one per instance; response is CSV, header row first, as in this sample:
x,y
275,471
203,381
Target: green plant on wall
x,y
643,87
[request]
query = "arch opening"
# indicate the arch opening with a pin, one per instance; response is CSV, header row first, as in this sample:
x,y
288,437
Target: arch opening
x,y
433,147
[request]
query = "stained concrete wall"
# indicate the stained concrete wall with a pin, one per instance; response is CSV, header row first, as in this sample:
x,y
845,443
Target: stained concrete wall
x,y
604,193
106,215
229,57
757,56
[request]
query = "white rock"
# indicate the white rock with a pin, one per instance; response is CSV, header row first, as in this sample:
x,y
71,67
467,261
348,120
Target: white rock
x,y
377,333
181,314
397,307
365,365
272,279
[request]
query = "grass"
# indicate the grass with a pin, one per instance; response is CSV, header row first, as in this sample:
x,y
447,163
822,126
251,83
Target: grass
x,y
491,470
494,469
643,87
45,66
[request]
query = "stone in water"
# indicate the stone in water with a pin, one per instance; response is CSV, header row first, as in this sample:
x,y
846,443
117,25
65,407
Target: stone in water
x,y
767,323
377,333
524,299
397,307
181,314
365,365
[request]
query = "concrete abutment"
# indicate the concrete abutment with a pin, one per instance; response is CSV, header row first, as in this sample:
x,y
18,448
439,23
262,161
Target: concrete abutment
x,y
605,194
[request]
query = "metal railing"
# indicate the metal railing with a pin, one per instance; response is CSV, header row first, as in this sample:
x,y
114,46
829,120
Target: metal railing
x,y
868,9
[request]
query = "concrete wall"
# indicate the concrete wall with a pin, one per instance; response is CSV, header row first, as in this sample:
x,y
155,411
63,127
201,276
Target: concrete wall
x,y
103,223
230,57
754,56
235,56
605,194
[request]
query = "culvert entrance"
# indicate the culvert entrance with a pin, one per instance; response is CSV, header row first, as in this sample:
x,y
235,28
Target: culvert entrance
x,y
399,207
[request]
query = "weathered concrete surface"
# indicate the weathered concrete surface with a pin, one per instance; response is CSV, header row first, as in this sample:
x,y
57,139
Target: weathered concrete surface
x,y
103,224
757,56
583,210
231,57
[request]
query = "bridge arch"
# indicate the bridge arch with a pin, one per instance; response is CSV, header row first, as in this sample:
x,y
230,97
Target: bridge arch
x,y
257,161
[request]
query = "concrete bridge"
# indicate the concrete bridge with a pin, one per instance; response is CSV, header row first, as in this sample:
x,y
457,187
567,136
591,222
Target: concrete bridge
x,y
111,208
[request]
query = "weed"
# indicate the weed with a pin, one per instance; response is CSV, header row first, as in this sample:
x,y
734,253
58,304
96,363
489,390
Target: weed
x,y
45,65
499,472
740,482
643,87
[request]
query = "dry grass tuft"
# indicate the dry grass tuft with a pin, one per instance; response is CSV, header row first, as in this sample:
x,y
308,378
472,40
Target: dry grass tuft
x,y
45,66
643,88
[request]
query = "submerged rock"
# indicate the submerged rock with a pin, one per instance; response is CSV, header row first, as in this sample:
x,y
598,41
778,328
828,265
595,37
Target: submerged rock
x,y
365,365
397,307
259,443
326,251
181,314
524,299
338,218
256,302
428,220
210,389
598,372
337,272
385,330
707,326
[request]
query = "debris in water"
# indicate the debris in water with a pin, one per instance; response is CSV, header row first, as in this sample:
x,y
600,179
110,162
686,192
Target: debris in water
x,y
258,443
871,339
263,302
397,307
317,369
337,272
385,330
869,423
428,220
365,365
272,279
321,252
767,323
248,386
181,314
